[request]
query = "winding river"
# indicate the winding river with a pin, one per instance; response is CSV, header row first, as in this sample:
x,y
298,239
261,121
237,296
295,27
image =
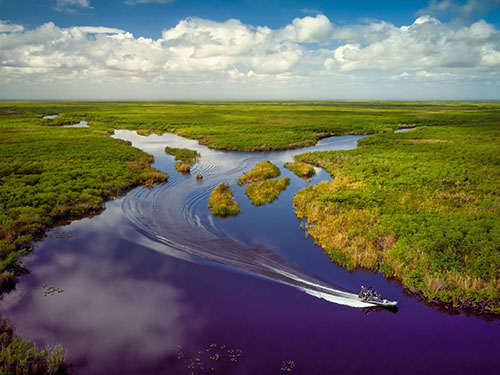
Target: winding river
x,y
157,285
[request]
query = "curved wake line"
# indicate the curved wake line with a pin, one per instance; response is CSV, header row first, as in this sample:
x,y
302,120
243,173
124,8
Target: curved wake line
x,y
257,261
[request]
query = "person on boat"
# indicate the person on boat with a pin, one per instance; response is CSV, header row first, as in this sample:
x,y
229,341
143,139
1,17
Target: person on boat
x,y
362,292
369,293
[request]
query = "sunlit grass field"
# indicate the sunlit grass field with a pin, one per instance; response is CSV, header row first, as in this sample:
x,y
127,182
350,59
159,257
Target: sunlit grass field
x,y
303,170
184,157
254,126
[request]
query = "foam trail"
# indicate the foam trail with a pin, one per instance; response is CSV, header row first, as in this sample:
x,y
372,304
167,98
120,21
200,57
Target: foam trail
x,y
258,261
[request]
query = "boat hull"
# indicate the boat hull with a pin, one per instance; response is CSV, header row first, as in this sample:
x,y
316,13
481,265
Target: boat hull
x,y
384,303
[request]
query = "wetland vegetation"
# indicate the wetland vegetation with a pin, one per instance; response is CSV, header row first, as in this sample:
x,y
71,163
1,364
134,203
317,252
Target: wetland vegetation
x,y
185,158
301,169
262,171
422,207
250,126
49,174
20,357
222,203
266,191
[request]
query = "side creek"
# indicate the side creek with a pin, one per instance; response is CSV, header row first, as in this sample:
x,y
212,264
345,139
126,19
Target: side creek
x,y
156,284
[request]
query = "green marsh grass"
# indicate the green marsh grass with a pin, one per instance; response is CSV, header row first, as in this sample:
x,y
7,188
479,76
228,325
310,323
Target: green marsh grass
x,y
262,171
422,207
53,173
48,172
301,169
222,203
19,357
266,191
185,158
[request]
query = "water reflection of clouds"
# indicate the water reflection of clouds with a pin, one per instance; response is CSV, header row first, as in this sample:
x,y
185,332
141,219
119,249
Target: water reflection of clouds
x,y
108,309
104,313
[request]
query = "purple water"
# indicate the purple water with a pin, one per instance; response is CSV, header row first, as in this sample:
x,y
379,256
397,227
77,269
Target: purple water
x,y
156,285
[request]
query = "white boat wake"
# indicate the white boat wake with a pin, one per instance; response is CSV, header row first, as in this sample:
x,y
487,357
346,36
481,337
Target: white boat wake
x,y
176,215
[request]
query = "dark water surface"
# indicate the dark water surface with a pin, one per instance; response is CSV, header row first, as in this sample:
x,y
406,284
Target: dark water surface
x,y
156,285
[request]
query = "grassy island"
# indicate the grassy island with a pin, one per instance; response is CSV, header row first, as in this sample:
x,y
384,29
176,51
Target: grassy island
x,y
422,207
222,203
262,171
266,191
301,169
185,158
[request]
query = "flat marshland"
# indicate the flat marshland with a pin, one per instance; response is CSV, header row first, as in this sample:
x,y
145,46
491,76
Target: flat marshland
x,y
421,207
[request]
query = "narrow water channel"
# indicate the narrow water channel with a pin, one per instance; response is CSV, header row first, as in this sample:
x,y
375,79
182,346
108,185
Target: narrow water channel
x,y
157,285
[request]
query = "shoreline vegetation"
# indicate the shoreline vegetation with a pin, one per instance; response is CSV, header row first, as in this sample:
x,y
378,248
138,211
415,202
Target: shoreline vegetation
x,y
23,357
301,169
262,171
185,158
266,191
49,173
420,207
222,203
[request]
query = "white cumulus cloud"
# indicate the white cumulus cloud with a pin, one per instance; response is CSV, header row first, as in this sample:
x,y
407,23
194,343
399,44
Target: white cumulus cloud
x,y
427,44
311,55
310,29
6,27
97,30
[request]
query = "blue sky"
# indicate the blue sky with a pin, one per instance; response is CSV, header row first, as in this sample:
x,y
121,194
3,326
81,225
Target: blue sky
x,y
149,19
183,49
